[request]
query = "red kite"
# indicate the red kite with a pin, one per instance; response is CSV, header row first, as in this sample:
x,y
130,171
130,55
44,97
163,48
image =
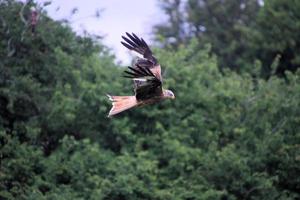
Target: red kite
x,y
146,75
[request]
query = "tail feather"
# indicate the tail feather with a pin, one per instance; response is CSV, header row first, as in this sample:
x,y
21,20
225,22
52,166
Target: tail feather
x,y
121,103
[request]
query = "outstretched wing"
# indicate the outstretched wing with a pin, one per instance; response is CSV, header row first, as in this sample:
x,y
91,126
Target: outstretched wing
x,y
132,42
147,84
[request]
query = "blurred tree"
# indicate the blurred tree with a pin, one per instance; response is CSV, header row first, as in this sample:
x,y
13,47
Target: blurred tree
x,y
226,136
275,39
45,76
240,32
216,22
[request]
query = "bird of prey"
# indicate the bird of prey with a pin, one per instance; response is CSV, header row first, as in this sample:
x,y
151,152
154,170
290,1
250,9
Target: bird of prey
x,y
146,76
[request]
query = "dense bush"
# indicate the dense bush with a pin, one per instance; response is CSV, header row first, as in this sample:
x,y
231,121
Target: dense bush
x,y
225,136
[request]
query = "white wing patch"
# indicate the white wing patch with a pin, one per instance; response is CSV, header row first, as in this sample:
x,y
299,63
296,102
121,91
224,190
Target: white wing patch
x,y
140,79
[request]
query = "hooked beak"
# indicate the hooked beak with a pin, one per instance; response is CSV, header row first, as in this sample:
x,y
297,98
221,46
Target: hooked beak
x,y
169,94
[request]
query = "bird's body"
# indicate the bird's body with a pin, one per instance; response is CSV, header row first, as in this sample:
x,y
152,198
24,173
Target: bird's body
x,y
146,75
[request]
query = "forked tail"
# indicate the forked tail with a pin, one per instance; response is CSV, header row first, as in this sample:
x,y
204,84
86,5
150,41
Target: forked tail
x,y
121,103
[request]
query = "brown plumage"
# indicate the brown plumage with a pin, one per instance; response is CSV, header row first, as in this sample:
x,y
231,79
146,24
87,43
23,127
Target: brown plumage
x,y
146,75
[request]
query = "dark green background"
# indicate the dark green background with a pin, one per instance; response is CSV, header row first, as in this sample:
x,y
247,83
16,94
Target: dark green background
x,y
233,131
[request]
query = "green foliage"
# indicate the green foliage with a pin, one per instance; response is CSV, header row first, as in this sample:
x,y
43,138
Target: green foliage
x,y
219,23
225,136
240,32
276,35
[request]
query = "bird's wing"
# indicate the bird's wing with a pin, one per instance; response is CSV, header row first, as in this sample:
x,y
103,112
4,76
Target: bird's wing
x,y
132,42
147,84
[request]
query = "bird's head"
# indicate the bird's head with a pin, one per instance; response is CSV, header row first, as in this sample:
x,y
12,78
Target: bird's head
x,y
169,94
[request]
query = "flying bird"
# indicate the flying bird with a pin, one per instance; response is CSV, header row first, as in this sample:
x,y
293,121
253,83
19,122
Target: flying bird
x,y
146,76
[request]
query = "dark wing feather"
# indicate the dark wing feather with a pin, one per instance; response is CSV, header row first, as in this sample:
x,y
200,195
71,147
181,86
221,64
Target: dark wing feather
x,y
147,86
132,42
